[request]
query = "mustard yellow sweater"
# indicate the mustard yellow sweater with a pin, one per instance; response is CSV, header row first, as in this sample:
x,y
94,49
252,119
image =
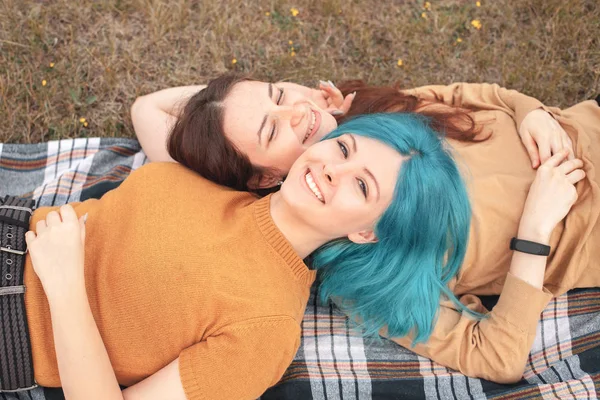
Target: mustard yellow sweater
x,y
498,174
176,266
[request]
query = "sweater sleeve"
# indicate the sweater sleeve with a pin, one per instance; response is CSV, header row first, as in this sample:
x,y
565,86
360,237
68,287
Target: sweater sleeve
x,y
480,96
242,361
495,348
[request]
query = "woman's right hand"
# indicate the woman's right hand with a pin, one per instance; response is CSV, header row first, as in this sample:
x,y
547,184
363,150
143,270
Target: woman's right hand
x,y
552,194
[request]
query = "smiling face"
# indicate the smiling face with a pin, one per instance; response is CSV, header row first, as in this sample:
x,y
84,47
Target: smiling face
x,y
273,124
340,187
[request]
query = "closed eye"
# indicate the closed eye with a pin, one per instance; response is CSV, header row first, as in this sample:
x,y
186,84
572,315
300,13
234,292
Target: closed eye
x,y
273,131
363,187
280,97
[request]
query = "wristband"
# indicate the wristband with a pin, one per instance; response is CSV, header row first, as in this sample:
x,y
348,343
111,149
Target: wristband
x,y
525,246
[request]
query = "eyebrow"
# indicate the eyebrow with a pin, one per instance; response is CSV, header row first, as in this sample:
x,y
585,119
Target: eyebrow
x,y
264,121
366,170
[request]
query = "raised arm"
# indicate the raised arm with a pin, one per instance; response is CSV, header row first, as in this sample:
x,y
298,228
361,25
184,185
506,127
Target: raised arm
x,y
480,96
153,116
496,347
540,133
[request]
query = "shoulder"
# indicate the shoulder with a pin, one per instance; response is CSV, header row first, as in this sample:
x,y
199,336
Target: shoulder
x,y
170,175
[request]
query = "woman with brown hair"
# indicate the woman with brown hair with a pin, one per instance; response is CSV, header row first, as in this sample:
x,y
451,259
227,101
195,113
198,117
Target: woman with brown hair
x,y
213,129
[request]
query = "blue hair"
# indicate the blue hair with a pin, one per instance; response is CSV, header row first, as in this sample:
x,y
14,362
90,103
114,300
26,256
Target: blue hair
x,y
398,281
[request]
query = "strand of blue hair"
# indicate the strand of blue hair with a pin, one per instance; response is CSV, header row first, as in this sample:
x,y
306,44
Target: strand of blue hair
x,y
398,282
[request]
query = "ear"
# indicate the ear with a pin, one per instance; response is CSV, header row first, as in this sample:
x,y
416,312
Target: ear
x,y
363,237
267,180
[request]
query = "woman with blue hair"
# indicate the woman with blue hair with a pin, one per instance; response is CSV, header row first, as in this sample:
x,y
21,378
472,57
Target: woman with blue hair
x,y
244,134
432,246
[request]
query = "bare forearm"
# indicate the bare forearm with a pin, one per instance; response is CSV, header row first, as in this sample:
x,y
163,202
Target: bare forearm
x,y
153,116
172,99
83,364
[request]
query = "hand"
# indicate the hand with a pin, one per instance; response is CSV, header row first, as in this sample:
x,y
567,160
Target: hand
x,y
543,136
336,103
551,195
57,250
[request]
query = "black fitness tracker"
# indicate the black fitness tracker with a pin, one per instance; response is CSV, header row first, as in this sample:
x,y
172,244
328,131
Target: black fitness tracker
x,y
525,246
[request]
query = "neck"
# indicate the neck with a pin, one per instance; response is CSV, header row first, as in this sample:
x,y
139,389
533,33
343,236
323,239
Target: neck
x,y
303,238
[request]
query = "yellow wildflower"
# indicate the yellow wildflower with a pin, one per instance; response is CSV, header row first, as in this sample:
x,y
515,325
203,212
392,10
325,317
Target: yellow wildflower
x,y
476,24
82,120
427,5
44,82
290,42
478,3
234,61
85,124
293,53
424,15
458,40
267,13
51,65
400,63
294,12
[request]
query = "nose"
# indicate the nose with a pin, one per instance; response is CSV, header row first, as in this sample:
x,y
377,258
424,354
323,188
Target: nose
x,y
295,113
335,171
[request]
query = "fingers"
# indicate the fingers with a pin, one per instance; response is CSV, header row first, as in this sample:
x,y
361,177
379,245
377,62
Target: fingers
x,y
556,143
82,221
575,176
568,144
333,94
570,165
29,237
53,218
545,150
531,148
347,103
40,226
67,213
556,159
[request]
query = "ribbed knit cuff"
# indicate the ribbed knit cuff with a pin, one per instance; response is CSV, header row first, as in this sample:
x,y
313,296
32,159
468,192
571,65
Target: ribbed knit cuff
x,y
523,105
192,389
521,304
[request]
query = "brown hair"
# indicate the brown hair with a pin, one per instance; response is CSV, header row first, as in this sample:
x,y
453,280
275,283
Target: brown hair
x,y
197,139
455,123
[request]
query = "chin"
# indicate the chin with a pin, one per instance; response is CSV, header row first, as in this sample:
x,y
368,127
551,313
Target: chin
x,y
328,125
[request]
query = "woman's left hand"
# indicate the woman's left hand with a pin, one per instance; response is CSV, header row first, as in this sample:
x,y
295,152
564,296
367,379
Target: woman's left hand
x,y
543,136
337,104
57,250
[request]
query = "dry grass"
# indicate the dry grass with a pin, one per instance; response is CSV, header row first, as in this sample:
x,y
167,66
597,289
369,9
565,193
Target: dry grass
x,y
105,53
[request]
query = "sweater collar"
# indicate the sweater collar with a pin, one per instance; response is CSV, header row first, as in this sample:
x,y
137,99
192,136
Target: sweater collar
x,y
262,215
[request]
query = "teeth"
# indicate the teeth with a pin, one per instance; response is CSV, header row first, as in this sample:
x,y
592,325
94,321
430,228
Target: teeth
x,y
313,186
313,119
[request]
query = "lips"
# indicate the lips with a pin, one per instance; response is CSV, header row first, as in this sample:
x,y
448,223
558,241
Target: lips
x,y
313,187
313,126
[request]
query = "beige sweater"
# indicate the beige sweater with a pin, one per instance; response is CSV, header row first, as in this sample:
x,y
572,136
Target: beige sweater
x,y
498,173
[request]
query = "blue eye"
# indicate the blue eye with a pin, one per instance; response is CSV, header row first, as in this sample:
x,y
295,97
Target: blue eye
x,y
343,148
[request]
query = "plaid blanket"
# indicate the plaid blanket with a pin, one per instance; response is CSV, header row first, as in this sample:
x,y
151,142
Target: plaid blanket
x,y
334,361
